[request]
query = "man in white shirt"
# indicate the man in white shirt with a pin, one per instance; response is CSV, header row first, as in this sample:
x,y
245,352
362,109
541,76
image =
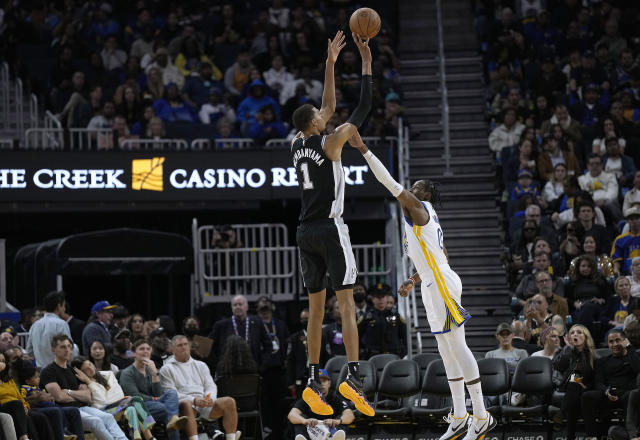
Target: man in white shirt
x,y
197,393
43,330
602,186
161,61
633,195
277,77
506,134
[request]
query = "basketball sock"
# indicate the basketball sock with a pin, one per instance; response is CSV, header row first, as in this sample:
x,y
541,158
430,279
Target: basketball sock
x,y
314,372
354,370
457,394
230,436
477,401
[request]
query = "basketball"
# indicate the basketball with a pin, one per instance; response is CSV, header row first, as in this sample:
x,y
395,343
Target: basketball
x,y
365,22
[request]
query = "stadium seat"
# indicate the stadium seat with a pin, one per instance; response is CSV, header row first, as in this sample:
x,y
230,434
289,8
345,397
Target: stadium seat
x,y
400,379
494,377
379,361
245,389
333,367
434,400
368,376
423,360
602,352
478,355
533,378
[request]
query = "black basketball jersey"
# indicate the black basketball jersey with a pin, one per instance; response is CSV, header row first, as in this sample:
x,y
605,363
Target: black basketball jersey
x,y
321,180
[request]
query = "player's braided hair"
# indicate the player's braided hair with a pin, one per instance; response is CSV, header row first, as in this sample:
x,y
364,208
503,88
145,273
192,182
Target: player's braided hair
x,y
432,187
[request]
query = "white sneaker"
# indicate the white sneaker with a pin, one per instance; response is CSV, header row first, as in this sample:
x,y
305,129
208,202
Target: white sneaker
x,y
478,428
238,435
339,435
457,426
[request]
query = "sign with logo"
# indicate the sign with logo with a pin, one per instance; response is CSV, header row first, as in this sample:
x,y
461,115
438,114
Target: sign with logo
x,y
168,176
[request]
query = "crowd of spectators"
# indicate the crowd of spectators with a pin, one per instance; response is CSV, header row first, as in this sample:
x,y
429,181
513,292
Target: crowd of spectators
x,y
230,70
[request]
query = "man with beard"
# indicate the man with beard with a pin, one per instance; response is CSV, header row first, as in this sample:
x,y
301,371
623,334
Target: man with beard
x,y
159,346
121,356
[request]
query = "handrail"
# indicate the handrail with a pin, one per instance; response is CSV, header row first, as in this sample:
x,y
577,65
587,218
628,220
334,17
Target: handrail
x,y
6,144
33,111
4,91
43,138
51,121
444,95
154,144
19,104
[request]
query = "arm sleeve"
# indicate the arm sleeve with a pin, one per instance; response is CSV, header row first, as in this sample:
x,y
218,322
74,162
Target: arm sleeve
x,y
382,174
364,106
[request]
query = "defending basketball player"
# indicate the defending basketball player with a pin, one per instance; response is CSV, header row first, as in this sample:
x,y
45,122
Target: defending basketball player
x,y
441,294
322,236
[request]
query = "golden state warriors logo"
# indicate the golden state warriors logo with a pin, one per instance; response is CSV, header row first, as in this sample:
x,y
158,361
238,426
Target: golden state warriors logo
x,y
147,174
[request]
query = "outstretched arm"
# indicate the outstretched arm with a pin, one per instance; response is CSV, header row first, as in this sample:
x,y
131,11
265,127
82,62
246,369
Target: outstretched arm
x,y
329,93
334,142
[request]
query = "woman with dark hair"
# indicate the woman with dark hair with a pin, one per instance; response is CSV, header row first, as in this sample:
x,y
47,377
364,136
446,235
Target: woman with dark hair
x,y
541,111
607,130
100,358
167,323
130,107
574,373
524,160
554,188
524,247
136,327
571,244
107,395
28,424
587,291
236,358
604,265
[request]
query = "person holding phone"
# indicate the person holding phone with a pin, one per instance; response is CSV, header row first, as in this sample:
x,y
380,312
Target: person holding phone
x,y
615,378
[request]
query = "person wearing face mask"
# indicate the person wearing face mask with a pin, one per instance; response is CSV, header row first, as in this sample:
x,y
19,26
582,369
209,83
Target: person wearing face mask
x,y
574,374
191,328
360,300
297,371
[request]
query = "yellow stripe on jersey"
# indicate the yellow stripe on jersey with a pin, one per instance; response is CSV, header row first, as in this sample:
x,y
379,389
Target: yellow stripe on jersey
x,y
442,286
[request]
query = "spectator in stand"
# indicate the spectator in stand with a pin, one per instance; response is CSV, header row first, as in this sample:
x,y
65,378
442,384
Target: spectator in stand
x,y
159,346
618,164
541,111
332,336
553,155
136,326
112,57
506,134
249,107
630,105
297,370
634,315
168,71
191,58
173,108
624,127
100,358
216,108
313,87
634,277
393,111
533,213
585,212
279,14
626,245
554,188
616,308
278,78
98,328
225,130
131,106
633,195
527,287
236,359
143,45
571,127
121,356
121,131
519,333
105,118
304,421
525,160
247,326
550,342
537,318
615,378
604,264
587,292
505,350
155,88
76,325
557,304
107,395
548,80
602,186
43,330
142,379
266,126
60,380
227,29
576,364
515,101
197,86
102,26
197,392
608,130
588,111
238,73
155,129
616,43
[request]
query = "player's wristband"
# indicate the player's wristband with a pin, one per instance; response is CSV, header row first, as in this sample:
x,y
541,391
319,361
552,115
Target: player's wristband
x,y
413,280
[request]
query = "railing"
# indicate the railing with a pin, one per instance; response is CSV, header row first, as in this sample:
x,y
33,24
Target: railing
x,y
443,93
49,137
34,120
6,144
221,143
51,121
19,107
90,139
154,144
4,95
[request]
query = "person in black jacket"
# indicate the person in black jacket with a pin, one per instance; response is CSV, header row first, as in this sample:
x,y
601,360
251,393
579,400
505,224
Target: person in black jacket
x,y
575,363
297,370
615,378
631,428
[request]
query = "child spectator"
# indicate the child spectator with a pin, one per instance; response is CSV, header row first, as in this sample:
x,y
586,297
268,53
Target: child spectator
x,y
525,186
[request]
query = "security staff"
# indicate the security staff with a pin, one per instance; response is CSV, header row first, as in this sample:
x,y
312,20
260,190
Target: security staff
x,y
382,330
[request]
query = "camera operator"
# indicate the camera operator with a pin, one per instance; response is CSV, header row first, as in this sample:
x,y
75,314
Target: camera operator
x,y
615,378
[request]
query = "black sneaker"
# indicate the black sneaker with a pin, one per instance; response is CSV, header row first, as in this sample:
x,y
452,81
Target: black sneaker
x,y
351,389
312,395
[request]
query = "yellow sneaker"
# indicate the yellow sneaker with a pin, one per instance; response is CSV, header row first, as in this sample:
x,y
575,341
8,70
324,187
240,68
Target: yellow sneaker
x,y
352,389
312,395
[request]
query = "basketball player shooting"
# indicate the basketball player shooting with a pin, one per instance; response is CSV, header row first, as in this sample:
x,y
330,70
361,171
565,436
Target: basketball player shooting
x,y
441,294
322,236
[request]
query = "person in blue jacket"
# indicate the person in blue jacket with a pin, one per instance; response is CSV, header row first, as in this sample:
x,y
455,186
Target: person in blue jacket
x,y
257,99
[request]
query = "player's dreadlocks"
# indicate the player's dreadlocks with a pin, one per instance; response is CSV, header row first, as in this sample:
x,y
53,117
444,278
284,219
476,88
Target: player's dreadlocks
x,y
432,187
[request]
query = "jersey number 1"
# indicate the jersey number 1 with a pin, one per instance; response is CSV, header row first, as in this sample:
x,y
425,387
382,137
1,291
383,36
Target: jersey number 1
x,y
306,181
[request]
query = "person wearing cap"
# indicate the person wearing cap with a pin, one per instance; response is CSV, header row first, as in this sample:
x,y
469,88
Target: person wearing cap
x,y
197,392
618,164
120,318
382,330
168,71
98,328
160,342
525,186
591,109
121,356
626,246
44,329
552,155
336,424
506,350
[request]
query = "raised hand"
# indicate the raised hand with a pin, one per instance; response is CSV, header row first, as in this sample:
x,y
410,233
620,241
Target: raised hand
x,y
405,288
363,47
335,46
